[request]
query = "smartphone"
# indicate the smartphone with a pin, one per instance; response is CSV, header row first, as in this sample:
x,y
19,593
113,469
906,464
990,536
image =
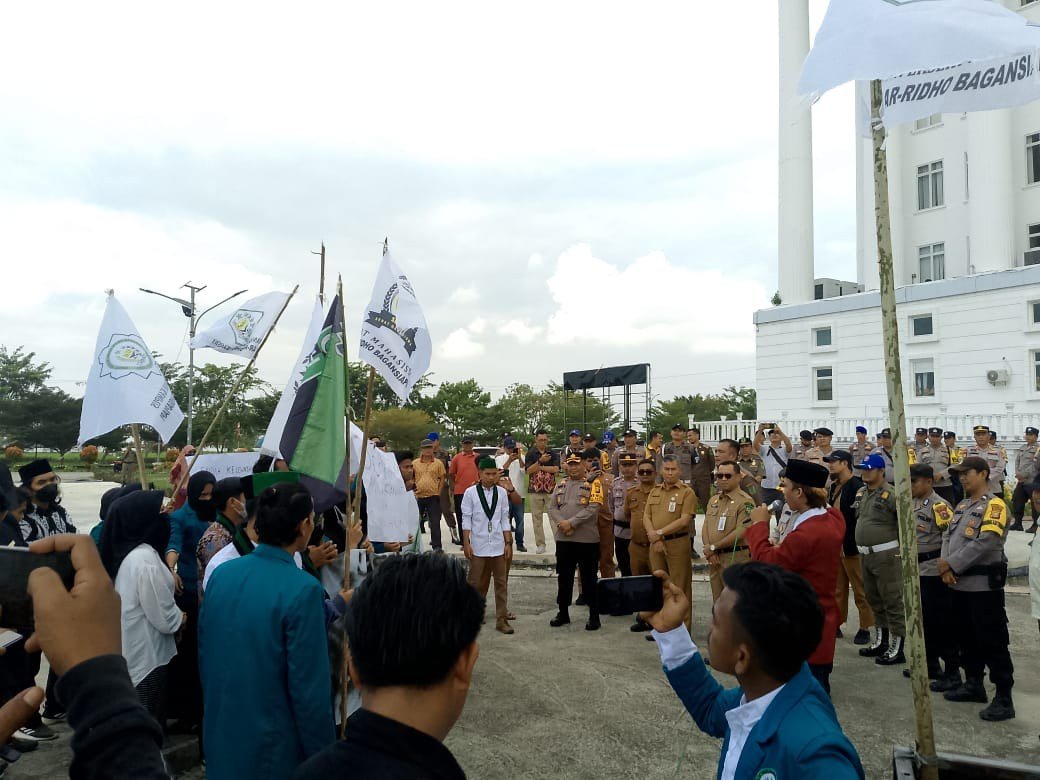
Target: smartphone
x,y
8,638
625,595
16,564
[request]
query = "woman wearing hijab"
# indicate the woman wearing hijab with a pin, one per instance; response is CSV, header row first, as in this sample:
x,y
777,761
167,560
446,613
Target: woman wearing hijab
x,y
132,542
107,499
187,525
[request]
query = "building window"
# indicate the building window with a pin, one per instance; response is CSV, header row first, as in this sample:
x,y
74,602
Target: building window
x,y
930,185
921,325
931,261
1034,236
823,383
928,121
1033,158
1036,370
924,377
821,337
1034,312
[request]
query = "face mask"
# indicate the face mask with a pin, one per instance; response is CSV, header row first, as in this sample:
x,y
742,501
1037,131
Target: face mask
x,y
48,494
206,511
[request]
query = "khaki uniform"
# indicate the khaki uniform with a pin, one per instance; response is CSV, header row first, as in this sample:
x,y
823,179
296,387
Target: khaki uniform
x,y
579,502
922,453
877,526
890,469
639,548
859,453
940,463
724,516
703,466
664,506
685,454
799,450
753,467
1025,472
605,522
996,463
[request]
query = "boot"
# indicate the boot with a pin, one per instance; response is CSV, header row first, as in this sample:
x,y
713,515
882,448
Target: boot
x,y
502,626
970,690
950,681
894,654
580,601
1001,708
562,618
593,624
1032,530
878,645
639,626
862,637
1015,526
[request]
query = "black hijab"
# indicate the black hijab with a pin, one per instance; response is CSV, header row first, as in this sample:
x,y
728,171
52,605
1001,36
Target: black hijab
x,y
113,495
132,520
205,510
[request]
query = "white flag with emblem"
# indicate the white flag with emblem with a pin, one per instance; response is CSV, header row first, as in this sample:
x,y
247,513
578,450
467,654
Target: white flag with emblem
x,y
244,329
394,337
125,385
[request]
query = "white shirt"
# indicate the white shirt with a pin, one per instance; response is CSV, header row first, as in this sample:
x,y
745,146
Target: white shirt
x,y
517,475
773,468
149,615
805,516
485,543
676,648
229,553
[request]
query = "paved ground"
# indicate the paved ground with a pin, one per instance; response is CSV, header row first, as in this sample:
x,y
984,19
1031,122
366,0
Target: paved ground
x,y
566,703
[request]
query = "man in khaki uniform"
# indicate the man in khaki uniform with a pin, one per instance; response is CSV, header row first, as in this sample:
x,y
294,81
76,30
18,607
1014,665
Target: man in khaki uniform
x,y
861,447
750,463
821,447
1025,472
982,448
724,525
573,510
670,508
728,449
635,508
703,466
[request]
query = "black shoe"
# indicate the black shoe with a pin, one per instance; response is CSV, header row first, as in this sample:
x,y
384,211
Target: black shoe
x,y
455,538
862,637
561,619
934,673
10,754
1001,708
1015,526
593,624
947,682
694,555
50,717
580,601
894,654
1032,530
649,637
639,626
39,733
22,745
970,690
878,646
521,548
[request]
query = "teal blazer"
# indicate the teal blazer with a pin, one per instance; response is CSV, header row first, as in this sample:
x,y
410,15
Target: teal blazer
x,y
798,737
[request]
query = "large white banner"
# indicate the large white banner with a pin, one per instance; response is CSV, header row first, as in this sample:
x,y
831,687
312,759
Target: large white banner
x,y
394,336
244,330
393,513
227,464
125,385
883,39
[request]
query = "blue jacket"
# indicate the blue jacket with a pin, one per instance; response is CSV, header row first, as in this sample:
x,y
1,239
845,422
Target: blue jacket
x,y
185,531
798,737
264,663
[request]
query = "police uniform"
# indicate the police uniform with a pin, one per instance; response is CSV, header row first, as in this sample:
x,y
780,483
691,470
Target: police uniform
x,y
619,488
973,547
601,482
922,450
703,466
940,463
1026,467
932,515
754,467
890,469
725,520
664,506
990,454
578,502
877,539
859,452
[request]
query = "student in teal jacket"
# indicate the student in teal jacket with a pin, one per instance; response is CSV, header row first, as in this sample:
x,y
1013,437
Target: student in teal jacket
x,y
778,724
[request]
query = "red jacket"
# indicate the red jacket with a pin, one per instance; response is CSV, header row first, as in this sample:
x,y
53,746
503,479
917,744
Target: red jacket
x,y
812,550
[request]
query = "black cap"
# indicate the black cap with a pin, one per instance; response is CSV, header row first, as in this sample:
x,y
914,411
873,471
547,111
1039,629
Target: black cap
x,y
949,435
803,472
921,471
824,431
694,429
805,434
589,437
886,432
678,427
30,471
628,457
467,440
1031,431
980,429
629,432
843,455
743,440
935,431
921,432
973,462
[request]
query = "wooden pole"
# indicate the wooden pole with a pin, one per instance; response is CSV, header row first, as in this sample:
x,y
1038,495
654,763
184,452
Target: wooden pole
x,y
900,459
234,388
364,443
321,277
142,475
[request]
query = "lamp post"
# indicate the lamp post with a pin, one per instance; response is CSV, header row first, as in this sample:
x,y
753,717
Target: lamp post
x,y
188,307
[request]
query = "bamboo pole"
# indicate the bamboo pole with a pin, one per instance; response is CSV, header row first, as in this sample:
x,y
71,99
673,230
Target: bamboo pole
x,y
900,457
234,388
141,473
364,443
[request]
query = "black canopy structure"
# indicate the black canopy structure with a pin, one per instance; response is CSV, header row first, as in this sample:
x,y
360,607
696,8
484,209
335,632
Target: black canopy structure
x,y
634,398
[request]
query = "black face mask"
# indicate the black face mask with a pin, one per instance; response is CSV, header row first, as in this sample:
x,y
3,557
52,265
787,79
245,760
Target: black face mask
x,y
205,510
48,494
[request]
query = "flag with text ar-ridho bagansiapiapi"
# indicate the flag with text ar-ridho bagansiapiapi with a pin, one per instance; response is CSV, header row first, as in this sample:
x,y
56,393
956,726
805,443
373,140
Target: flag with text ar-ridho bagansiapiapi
x,y
125,385
243,330
394,337
932,56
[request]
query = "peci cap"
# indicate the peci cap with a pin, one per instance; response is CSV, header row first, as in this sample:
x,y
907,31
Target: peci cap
x,y
921,471
861,429
872,463
1031,431
630,432
935,431
574,432
823,431
920,431
803,472
31,471
842,455
973,462
980,429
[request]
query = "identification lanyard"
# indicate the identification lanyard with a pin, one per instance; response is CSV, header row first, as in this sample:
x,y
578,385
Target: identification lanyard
x,y
488,510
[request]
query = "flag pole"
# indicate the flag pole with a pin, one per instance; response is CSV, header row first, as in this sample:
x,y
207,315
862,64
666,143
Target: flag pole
x,y
914,639
321,277
234,388
353,516
141,474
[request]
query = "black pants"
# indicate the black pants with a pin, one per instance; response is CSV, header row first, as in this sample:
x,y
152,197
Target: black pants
x,y
152,693
585,557
949,492
430,510
1020,499
624,562
982,637
937,614
185,687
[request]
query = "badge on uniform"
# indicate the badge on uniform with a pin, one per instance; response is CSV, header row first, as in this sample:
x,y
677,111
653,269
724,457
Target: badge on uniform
x,y
884,495
996,511
722,523
969,532
671,505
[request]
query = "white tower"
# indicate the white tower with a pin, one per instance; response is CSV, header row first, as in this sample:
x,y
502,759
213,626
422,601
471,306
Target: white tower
x,y
795,244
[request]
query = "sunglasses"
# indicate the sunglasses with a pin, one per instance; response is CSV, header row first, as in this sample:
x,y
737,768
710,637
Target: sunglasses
x,y
721,475
645,472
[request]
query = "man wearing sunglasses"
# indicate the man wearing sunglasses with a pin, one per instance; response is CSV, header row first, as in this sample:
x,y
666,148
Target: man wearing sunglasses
x,y
668,518
635,507
725,521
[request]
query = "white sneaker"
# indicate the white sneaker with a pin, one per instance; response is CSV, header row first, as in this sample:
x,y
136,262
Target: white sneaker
x,y
540,549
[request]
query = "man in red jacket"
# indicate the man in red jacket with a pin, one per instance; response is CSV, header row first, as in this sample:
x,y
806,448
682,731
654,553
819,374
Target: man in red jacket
x,y
811,548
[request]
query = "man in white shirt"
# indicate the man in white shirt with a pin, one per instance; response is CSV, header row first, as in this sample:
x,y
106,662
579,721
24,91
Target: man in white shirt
x,y
775,454
487,539
511,459
778,722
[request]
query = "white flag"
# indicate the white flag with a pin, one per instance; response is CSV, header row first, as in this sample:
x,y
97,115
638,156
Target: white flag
x,y
882,39
393,513
244,330
394,336
125,385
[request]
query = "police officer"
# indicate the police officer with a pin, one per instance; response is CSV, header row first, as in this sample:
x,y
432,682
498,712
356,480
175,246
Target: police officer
x,y
974,566
668,517
1003,454
877,539
725,521
635,508
803,445
619,488
750,462
703,466
884,449
821,446
940,463
599,480
573,446
861,447
609,446
932,515
629,446
654,443
573,510
956,456
921,449
729,449
1026,467
989,452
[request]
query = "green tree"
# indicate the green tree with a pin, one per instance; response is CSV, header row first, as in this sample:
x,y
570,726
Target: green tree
x,y
382,396
741,399
460,407
21,378
402,428
732,400
48,419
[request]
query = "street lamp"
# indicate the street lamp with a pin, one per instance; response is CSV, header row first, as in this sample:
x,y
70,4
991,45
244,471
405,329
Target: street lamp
x,y
188,307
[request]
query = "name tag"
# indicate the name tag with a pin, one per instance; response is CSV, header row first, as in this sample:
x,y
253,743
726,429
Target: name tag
x,y
671,505
722,523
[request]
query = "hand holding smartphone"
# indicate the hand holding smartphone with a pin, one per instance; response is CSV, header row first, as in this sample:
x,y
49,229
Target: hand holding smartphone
x,y
16,564
626,595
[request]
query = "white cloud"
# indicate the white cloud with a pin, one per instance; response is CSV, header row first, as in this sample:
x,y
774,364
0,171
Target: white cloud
x,y
477,326
464,295
459,345
535,261
523,331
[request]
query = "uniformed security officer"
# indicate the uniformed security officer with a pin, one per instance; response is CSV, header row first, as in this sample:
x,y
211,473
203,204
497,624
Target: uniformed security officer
x,y
821,446
940,463
682,451
574,445
608,446
635,508
725,521
668,517
573,510
956,456
1026,467
877,538
605,521
861,447
703,466
729,449
619,487
1003,454
983,448
932,515
804,443
750,462
920,447
884,449
973,564
629,446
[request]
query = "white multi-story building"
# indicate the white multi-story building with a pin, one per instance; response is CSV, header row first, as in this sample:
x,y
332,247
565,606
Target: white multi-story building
x,y
964,194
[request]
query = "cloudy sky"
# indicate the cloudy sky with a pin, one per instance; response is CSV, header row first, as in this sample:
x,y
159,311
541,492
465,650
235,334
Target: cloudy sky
x,y
567,185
